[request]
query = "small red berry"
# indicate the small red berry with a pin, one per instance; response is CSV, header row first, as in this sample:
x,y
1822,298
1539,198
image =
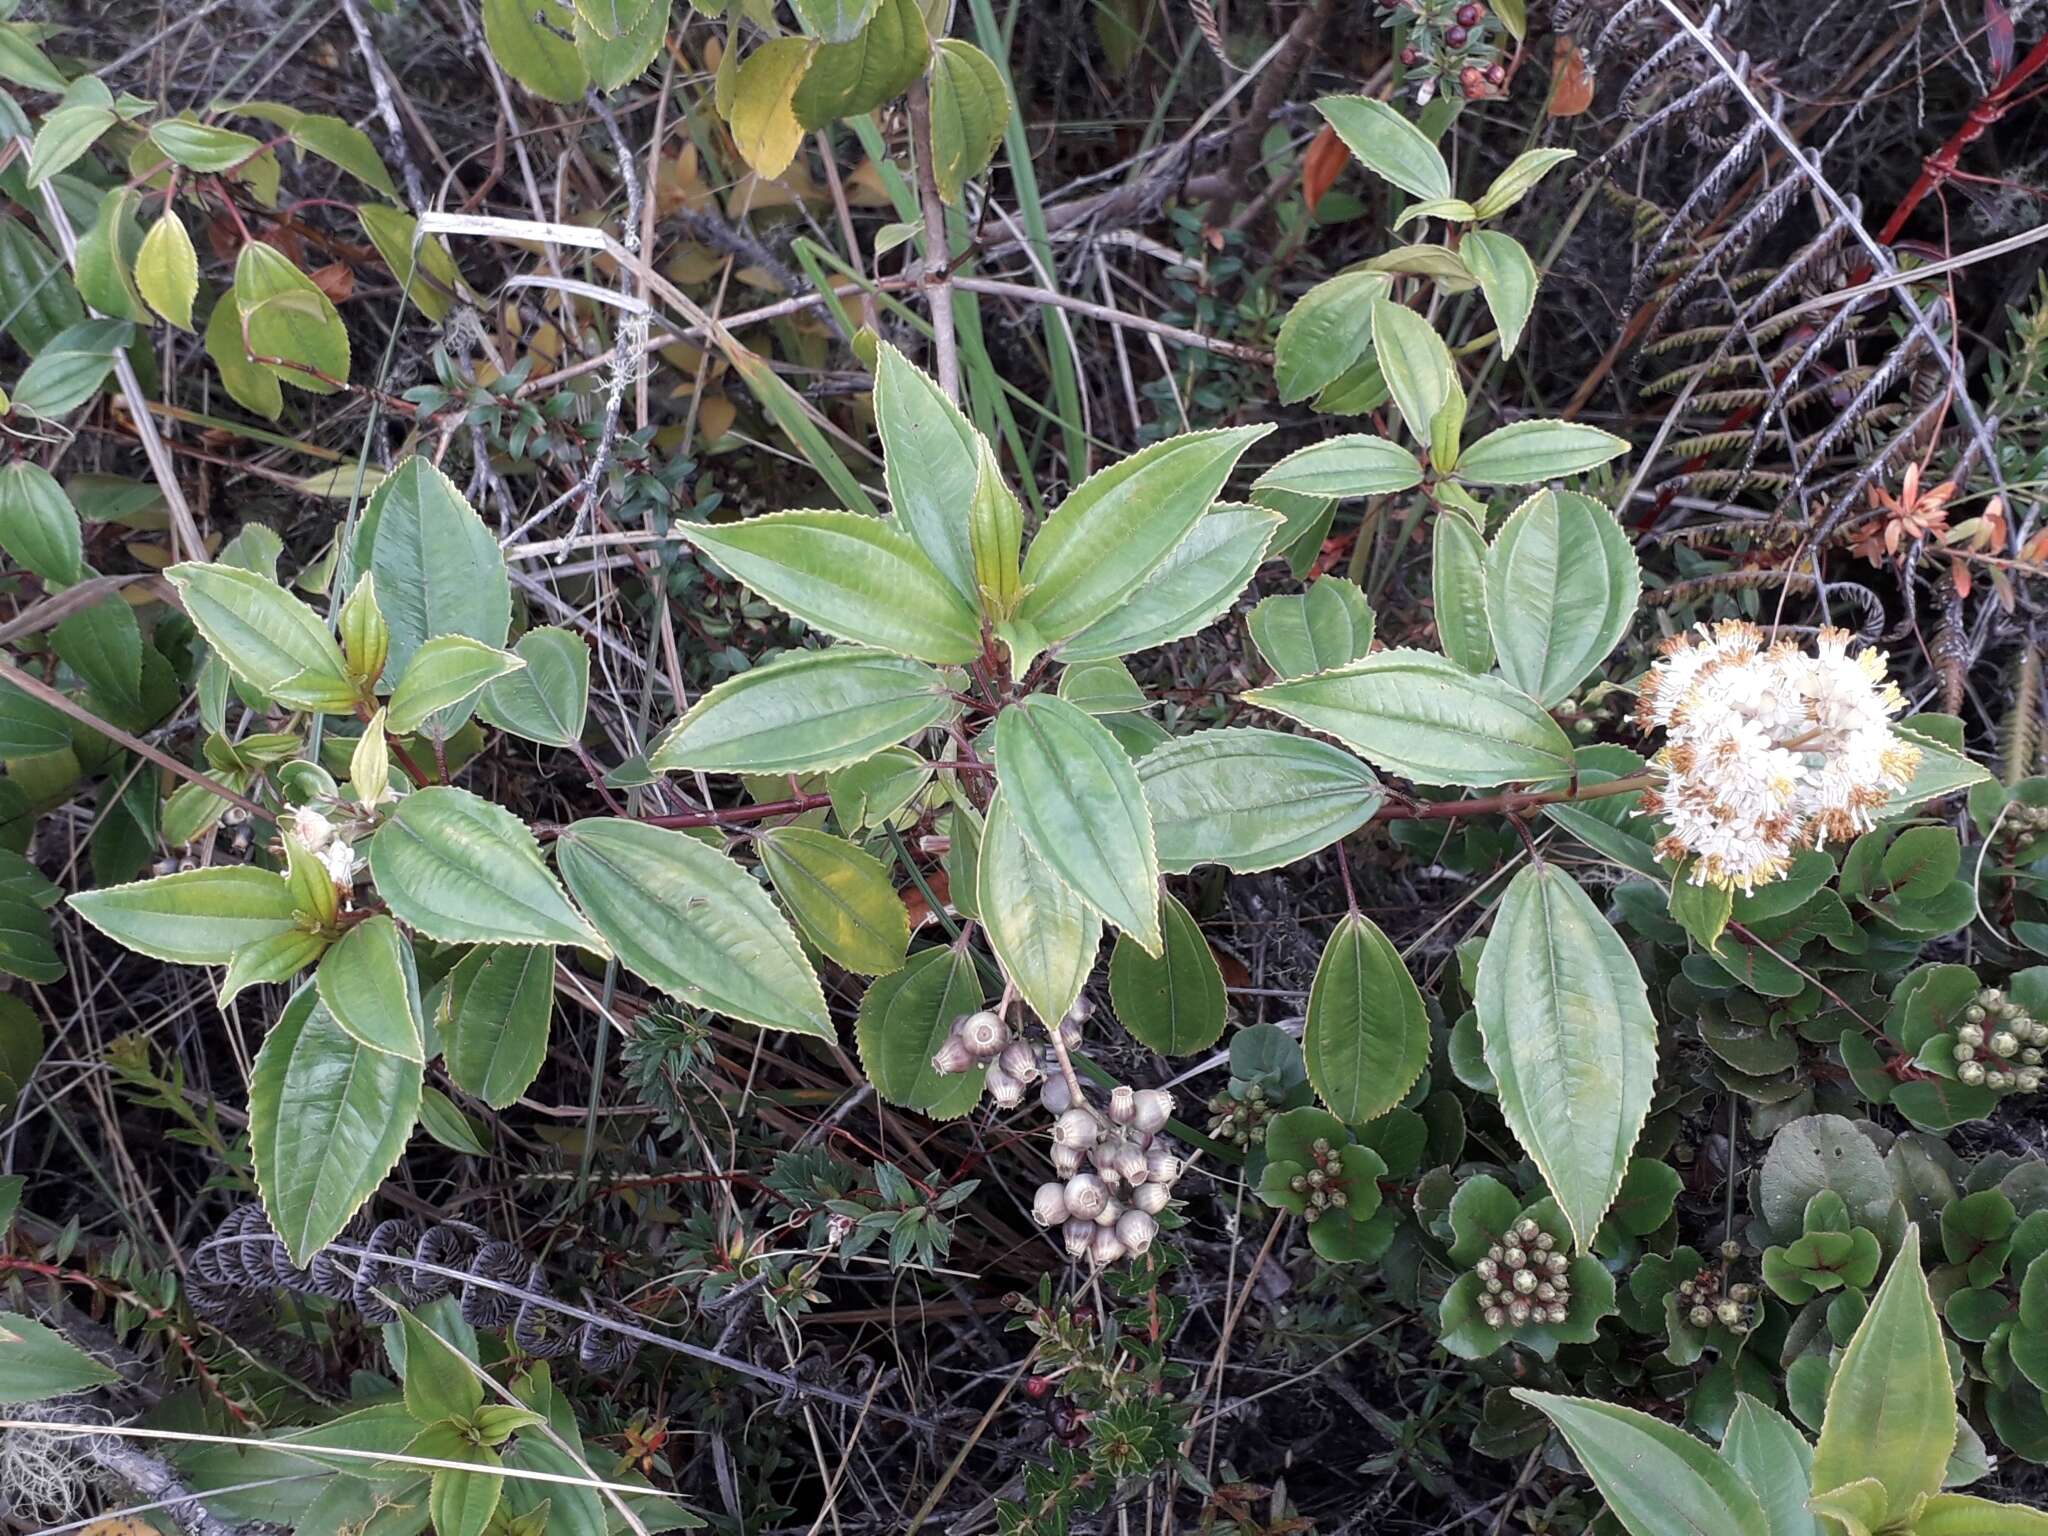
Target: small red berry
x,y
1411,56
1472,79
1496,74
1038,1386
1470,15
1456,37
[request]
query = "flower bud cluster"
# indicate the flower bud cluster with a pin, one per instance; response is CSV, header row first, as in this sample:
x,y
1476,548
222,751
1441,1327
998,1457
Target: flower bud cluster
x,y
1999,1045
2023,825
1709,1297
1241,1120
1524,1276
326,843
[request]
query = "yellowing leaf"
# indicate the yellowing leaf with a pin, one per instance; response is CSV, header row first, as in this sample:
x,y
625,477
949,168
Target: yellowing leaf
x,y
167,270
764,124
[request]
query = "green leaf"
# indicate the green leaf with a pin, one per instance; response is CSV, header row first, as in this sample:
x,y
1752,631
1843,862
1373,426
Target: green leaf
x,y
395,234
462,1503
849,575
1562,585
22,62
1570,1040
1415,363
1657,1480
249,384
1507,277
1942,771
462,870
268,638
1524,452
1330,625
1421,716
340,144
929,457
763,120
535,55
833,21
1458,585
690,921
1074,795
1351,464
1121,525
1172,1001
904,1019
195,917
494,1032
546,700
42,302
37,1362
38,525
1891,1408
328,1118
803,712
66,134
1962,1514
105,252
103,645
970,107
71,367
438,1382
614,61
1252,800
439,570
445,672
1102,688
1366,1036
841,896
1328,330
270,962
288,323
1453,210
201,146
167,270
370,987
1387,143
1044,935
1188,591
1770,1455
1514,183
851,78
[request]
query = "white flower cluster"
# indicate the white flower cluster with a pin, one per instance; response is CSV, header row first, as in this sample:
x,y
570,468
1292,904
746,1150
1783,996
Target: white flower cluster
x,y
1768,749
325,842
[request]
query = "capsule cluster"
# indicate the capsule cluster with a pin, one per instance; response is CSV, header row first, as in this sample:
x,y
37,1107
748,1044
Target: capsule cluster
x,y
1707,1303
2024,825
1323,1184
1998,1045
1524,1278
1105,1209
1241,1120
984,1038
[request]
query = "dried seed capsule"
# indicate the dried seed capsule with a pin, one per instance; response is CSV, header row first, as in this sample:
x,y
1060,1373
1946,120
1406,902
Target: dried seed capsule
x,y
1112,1209
1079,1237
1151,1198
1154,1107
1078,1127
1135,1230
1004,1089
1019,1060
1123,1104
1131,1164
1066,1161
984,1034
1086,1195
952,1056
1108,1247
1049,1205
1161,1166
1103,1156
1054,1096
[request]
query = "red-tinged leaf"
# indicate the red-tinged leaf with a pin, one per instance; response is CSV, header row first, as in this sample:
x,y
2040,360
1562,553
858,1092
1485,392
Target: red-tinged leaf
x,y
337,280
1571,81
1998,31
1322,163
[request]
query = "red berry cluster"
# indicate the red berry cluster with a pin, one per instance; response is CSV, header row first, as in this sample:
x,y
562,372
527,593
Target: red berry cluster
x,y
1450,46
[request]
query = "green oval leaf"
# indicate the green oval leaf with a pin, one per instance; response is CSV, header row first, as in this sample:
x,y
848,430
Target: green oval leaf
x,y
850,575
539,58
1421,716
1524,452
1415,363
847,79
1187,591
1044,935
328,1118
1329,625
439,570
1328,330
1120,525
1252,800
167,270
1351,464
1658,1480
462,870
39,528
494,1030
905,1018
1074,795
1562,585
547,700
370,987
1458,585
803,712
195,917
37,1362
970,107
1507,277
1570,1040
288,323
201,146
1387,143
841,897
1366,1037
1772,1457
690,921
929,458
446,672
1172,1001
